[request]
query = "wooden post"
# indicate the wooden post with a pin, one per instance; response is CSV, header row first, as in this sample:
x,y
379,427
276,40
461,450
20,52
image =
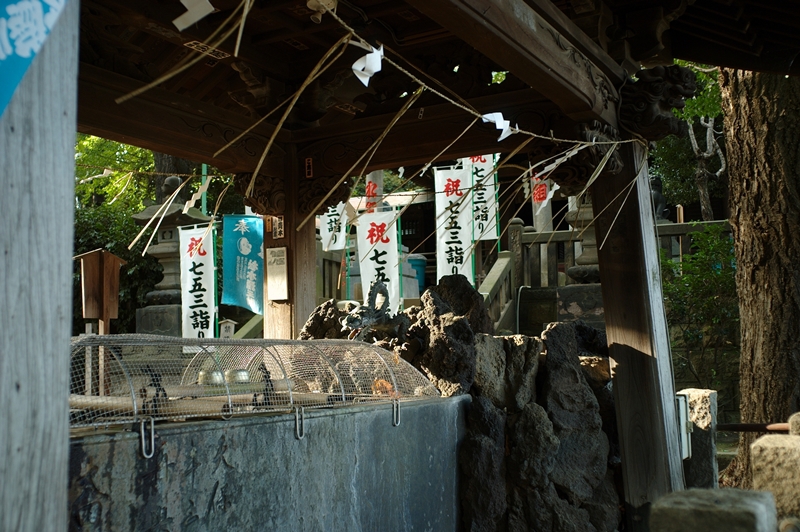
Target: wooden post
x,y
636,327
37,147
515,226
100,298
283,319
552,264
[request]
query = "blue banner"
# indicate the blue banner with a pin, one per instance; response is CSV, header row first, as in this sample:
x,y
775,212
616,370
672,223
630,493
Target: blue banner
x,y
24,26
243,262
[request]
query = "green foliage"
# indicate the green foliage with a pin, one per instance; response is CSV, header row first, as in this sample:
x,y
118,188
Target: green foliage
x,y
93,155
104,205
707,100
702,305
499,77
673,159
111,227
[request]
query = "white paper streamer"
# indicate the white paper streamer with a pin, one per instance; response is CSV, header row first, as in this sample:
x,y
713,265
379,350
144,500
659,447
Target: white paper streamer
x,y
500,123
549,197
196,196
196,10
368,65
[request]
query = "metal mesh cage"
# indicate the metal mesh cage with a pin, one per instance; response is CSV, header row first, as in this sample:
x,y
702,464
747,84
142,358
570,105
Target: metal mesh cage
x,y
119,379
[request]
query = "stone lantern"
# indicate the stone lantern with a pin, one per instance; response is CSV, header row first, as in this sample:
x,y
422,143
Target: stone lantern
x,y
579,216
162,315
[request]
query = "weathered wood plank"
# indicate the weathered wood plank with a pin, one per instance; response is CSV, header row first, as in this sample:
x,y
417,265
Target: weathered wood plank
x,y
517,37
638,340
37,146
552,264
284,319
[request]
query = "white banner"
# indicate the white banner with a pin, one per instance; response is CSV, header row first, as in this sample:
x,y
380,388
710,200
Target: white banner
x,y
454,219
197,282
484,196
332,228
378,254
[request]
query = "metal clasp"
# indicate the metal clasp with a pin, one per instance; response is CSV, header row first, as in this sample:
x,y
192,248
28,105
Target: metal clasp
x,y
395,413
144,439
299,422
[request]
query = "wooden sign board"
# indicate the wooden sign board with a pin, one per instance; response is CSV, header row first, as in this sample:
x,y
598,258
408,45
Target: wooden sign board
x,y
100,284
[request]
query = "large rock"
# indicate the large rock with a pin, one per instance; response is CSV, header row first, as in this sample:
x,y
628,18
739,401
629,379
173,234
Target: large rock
x,y
572,407
533,447
603,508
522,365
775,460
543,510
481,461
719,510
324,322
448,360
464,300
490,369
596,371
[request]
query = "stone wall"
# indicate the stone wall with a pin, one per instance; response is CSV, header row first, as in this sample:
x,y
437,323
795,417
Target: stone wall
x,y
352,471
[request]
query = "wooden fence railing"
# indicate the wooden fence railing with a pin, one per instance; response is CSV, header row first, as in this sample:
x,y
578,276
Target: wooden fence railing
x,y
546,254
498,291
534,261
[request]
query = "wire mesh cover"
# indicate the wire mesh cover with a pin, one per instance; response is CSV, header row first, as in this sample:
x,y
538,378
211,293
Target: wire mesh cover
x,y
124,378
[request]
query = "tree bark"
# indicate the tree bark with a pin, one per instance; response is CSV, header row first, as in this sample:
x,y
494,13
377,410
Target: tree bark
x,y
762,123
701,180
166,165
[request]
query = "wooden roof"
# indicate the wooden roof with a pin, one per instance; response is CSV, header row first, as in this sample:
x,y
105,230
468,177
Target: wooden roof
x,y
563,59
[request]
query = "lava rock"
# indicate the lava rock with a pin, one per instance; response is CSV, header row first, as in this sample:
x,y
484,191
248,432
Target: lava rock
x,y
481,461
464,300
572,407
533,447
324,322
490,369
449,358
522,366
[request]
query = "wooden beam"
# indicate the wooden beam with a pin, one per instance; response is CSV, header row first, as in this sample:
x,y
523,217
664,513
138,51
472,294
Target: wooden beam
x,y
517,37
636,327
161,121
425,131
37,149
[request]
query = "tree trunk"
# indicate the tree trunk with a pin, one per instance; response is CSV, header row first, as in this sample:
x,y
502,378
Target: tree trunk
x,y
762,123
166,165
701,180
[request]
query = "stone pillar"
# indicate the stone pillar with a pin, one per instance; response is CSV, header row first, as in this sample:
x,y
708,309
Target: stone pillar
x,y
794,424
701,470
515,246
776,463
725,510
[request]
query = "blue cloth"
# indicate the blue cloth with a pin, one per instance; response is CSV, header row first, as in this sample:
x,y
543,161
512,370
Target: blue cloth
x,y
243,262
24,26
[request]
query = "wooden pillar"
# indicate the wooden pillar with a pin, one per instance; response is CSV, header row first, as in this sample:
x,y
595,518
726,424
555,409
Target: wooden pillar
x,y
283,319
37,147
636,327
